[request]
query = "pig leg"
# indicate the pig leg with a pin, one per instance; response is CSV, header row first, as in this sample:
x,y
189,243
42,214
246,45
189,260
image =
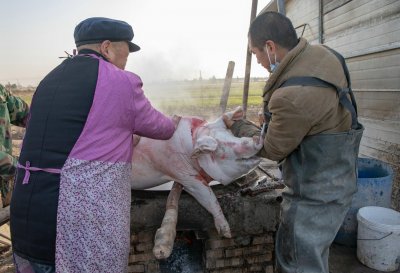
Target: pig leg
x,y
165,235
206,197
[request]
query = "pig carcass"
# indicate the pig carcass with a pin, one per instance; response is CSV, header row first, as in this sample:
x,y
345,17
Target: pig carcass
x,y
199,152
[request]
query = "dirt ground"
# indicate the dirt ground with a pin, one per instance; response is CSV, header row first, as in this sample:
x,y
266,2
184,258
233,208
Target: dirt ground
x,y
342,260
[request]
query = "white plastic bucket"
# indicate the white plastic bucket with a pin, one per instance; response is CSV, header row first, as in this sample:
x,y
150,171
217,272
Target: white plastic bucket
x,y
378,238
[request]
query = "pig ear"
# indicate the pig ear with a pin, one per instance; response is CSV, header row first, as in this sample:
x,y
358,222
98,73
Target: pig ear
x,y
236,114
203,145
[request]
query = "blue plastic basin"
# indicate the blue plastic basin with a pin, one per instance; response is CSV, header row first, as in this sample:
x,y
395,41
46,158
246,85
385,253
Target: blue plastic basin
x,y
374,183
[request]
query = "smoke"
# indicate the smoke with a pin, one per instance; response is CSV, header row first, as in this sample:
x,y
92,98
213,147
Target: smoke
x,y
172,81
179,63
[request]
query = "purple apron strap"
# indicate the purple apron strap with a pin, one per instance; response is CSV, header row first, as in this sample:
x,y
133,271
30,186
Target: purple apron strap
x,y
28,168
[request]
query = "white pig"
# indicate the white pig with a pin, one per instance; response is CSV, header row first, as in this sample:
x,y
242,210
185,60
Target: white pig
x,y
199,152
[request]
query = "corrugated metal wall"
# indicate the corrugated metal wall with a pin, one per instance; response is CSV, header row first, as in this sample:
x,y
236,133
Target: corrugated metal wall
x,y
304,16
367,33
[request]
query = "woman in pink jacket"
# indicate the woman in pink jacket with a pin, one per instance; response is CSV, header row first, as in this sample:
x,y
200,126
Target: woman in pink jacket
x,y
70,210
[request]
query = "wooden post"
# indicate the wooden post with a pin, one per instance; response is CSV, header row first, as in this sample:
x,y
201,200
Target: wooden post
x,y
248,62
227,86
165,235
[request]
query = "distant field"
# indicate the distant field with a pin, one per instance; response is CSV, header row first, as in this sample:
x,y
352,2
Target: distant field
x,y
202,93
199,98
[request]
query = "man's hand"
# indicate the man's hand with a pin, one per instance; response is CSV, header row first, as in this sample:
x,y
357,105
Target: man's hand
x,y
228,121
230,117
260,115
257,139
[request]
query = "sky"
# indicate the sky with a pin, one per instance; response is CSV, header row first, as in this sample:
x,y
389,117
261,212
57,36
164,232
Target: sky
x,y
180,39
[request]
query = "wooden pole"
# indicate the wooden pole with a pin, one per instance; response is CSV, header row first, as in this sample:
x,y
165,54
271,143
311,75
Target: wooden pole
x,y
165,235
248,62
227,86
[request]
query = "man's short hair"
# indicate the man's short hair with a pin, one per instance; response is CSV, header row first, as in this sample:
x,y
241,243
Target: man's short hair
x,y
272,26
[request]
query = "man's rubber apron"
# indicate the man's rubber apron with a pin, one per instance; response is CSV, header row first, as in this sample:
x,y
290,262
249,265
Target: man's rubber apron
x,y
321,179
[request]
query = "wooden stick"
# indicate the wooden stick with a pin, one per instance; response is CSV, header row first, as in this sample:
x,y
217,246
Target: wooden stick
x,y
165,235
227,86
248,62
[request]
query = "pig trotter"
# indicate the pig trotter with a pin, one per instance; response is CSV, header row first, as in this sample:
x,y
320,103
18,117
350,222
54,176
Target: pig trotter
x,y
165,235
222,226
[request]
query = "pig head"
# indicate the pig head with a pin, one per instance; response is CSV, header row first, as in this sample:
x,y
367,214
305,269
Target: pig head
x,y
199,152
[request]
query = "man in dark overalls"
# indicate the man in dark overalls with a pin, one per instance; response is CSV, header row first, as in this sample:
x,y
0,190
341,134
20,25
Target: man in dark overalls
x,y
312,128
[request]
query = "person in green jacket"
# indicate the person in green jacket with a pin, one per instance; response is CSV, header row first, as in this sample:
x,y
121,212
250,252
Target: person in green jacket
x,y
13,110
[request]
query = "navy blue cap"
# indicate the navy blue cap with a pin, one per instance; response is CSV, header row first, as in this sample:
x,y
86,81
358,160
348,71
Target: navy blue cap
x,y
98,29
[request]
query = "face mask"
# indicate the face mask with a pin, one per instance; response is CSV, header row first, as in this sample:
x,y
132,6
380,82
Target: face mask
x,y
272,66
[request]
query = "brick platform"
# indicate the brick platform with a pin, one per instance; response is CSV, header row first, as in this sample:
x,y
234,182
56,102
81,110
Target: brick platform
x,y
242,254
253,221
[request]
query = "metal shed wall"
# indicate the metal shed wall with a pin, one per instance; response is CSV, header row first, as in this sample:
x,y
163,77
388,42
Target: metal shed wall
x,y
367,34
